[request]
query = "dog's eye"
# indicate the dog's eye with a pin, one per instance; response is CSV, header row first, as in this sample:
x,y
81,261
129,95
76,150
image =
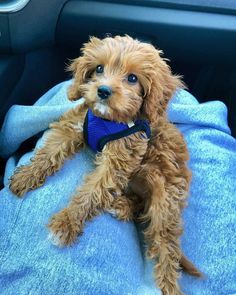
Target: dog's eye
x,y
99,69
132,79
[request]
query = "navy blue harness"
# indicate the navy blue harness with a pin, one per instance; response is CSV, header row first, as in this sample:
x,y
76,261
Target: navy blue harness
x,y
98,131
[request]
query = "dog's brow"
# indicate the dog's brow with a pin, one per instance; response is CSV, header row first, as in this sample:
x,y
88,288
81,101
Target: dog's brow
x,y
115,61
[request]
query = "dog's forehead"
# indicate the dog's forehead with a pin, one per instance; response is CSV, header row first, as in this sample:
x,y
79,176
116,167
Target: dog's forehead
x,y
123,46
127,54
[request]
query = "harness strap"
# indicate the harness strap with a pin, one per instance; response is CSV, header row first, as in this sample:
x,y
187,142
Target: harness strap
x,y
95,128
141,126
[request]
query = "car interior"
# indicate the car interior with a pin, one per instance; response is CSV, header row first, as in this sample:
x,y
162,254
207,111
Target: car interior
x,y
38,38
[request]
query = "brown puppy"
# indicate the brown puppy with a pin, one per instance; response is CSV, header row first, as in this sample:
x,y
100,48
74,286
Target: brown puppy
x,y
139,84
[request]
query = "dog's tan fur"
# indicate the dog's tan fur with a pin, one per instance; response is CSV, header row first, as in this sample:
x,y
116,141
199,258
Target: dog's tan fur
x,y
132,173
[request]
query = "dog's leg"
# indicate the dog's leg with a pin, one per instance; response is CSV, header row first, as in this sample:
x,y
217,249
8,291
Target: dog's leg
x,y
114,168
63,140
167,179
163,217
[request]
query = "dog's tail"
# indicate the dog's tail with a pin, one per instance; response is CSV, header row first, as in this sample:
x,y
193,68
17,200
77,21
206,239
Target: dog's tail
x,y
189,267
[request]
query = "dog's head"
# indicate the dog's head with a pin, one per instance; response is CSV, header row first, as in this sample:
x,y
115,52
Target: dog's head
x,y
122,79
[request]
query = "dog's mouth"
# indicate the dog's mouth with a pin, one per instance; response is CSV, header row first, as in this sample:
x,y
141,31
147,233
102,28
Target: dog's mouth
x,y
101,108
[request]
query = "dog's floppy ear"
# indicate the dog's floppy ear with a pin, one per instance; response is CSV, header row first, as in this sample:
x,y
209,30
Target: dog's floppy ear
x,y
82,67
162,85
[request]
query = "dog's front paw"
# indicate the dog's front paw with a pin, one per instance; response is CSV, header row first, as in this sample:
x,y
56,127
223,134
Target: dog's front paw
x,y
22,181
63,228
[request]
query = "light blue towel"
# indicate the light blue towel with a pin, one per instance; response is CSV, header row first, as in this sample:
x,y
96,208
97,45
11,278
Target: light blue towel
x,y
108,258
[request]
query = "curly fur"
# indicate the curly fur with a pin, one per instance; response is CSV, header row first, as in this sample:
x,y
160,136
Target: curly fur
x,y
133,175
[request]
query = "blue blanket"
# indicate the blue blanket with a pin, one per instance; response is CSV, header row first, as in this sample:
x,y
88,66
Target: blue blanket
x,y
108,259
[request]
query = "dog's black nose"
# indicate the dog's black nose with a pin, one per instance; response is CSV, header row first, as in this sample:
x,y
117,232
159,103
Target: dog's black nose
x,y
104,91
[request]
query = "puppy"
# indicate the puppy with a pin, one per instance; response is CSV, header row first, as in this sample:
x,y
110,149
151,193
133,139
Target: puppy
x,y
126,83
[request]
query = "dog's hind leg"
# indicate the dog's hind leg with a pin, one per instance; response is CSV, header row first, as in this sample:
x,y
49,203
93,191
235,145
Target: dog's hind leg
x,y
162,235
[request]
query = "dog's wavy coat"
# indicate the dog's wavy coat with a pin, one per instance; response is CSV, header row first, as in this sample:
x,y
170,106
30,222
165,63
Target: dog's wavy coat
x,y
132,174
